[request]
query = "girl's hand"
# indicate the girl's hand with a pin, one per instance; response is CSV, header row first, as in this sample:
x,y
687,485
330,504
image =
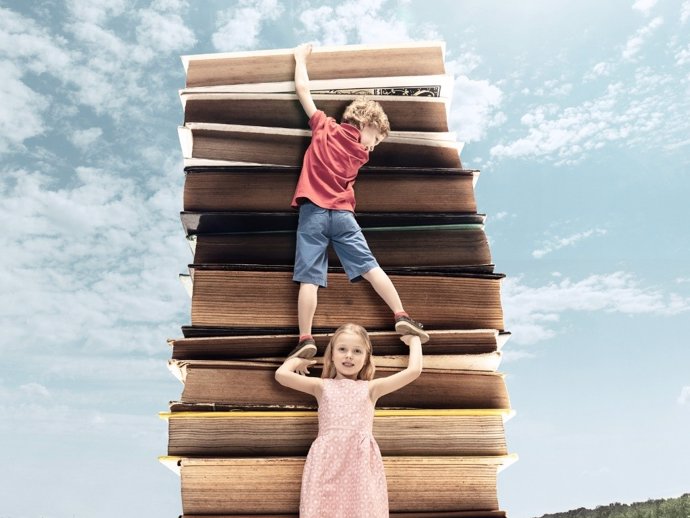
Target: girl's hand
x,y
302,51
411,339
301,365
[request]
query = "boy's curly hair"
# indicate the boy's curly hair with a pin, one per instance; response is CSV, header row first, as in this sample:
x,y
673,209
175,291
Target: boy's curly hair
x,y
362,112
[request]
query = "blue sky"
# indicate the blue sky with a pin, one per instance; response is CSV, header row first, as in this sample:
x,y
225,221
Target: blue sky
x,y
578,115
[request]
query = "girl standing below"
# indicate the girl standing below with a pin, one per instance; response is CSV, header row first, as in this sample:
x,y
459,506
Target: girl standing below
x,y
343,475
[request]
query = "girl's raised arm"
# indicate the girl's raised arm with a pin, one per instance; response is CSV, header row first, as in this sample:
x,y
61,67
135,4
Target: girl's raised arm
x,y
292,374
382,386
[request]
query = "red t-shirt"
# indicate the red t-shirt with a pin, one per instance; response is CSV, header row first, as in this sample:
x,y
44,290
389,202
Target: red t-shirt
x,y
331,164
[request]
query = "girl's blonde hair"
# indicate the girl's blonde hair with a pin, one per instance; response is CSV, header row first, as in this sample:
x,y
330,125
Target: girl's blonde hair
x,y
367,372
362,112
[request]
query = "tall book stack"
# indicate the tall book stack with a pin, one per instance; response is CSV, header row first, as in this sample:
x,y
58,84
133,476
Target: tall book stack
x,y
236,437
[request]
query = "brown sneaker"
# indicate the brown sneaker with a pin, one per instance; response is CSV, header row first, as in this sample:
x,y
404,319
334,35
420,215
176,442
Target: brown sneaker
x,y
305,349
404,325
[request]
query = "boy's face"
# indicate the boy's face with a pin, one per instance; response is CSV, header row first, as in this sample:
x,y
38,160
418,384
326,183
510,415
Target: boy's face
x,y
370,137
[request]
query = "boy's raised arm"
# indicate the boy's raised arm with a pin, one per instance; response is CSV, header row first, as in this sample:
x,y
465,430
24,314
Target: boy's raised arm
x,y
302,79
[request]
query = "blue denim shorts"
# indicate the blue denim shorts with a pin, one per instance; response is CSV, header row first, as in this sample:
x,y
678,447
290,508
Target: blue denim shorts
x,y
316,229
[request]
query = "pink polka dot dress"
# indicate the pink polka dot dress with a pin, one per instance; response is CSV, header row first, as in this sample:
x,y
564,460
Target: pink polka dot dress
x,y
343,476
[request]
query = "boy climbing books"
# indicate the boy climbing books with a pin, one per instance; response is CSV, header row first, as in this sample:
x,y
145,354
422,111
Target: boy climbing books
x,y
326,202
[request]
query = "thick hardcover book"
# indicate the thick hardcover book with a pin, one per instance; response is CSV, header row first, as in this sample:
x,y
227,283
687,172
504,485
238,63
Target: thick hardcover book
x,y
350,61
439,85
456,342
290,433
249,384
268,485
461,247
267,298
284,146
432,514
405,113
266,188
221,222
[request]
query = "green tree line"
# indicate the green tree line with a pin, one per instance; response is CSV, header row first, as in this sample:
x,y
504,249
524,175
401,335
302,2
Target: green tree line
x,y
663,508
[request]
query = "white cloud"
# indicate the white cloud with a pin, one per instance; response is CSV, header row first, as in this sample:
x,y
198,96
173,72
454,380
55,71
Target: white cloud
x,y
532,314
500,215
239,27
560,242
96,11
643,108
83,139
28,413
358,21
23,41
163,32
685,11
170,5
635,42
89,64
682,280
95,262
633,114
683,56
474,108
33,390
684,396
465,63
553,88
513,355
644,6
22,110
599,70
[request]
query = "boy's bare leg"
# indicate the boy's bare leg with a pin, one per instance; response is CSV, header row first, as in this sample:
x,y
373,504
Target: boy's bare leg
x,y
306,307
383,285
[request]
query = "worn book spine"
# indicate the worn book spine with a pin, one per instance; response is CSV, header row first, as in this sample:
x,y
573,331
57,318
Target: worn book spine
x,y
290,433
226,383
352,61
272,485
454,341
256,298
278,146
405,113
392,247
268,189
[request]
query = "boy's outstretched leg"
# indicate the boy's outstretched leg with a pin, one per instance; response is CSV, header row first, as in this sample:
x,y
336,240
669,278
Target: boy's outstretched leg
x,y
383,285
306,307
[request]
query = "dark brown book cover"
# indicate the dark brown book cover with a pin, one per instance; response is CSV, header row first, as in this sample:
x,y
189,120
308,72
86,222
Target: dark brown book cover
x,y
270,188
286,433
222,222
440,514
267,298
458,247
272,484
266,66
473,341
247,384
405,113
282,146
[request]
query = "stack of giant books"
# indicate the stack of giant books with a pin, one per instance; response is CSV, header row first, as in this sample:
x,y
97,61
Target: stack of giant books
x,y
237,438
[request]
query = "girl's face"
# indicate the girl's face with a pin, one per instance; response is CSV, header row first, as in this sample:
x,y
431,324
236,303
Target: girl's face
x,y
349,355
